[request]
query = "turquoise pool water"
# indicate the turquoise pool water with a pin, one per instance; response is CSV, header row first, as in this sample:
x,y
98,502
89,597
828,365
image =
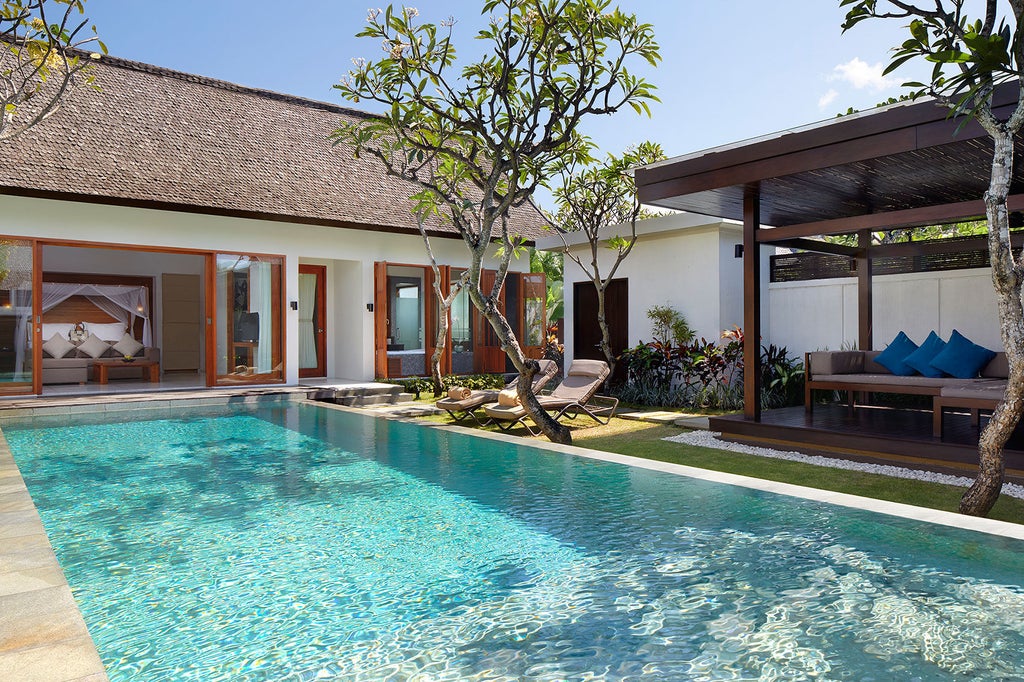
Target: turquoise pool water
x,y
302,543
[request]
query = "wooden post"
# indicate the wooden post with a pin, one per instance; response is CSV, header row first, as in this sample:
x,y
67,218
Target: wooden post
x,y
751,304
864,302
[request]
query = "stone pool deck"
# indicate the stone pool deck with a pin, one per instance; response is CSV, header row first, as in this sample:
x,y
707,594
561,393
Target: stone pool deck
x,y
43,637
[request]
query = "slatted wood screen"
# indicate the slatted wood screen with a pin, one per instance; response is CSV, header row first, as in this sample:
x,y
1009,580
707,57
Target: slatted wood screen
x,y
799,267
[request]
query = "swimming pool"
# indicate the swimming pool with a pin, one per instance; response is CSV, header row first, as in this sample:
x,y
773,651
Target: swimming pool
x,y
303,543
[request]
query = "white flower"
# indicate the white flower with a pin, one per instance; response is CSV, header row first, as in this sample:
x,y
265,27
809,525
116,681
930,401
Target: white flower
x,y
411,12
372,14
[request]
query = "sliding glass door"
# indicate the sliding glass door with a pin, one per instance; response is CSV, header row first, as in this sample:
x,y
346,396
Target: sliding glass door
x,y
17,362
248,312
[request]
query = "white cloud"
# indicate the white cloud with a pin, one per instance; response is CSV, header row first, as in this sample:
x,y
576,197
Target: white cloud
x,y
827,98
861,75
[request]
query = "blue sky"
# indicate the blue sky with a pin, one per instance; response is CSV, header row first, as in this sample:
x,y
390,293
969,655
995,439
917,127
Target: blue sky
x,y
731,69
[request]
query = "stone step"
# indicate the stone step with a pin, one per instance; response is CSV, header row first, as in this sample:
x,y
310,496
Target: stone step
x,y
365,400
376,389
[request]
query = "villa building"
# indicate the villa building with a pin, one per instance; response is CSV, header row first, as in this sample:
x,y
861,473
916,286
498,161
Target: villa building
x,y
219,228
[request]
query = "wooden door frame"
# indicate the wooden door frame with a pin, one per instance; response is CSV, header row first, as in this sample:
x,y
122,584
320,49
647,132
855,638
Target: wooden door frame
x,y
381,303
320,312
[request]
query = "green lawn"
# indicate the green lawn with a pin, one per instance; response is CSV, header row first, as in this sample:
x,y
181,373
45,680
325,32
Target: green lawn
x,y
641,439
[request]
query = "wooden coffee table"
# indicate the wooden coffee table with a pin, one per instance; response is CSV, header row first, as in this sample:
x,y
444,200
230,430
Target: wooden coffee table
x,y
102,366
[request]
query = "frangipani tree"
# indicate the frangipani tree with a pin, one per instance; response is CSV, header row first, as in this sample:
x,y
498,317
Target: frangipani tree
x,y
481,138
971,57
41,59
592,199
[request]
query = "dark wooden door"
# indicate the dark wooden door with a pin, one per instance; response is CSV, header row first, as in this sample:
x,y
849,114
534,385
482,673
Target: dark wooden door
x,y
586,332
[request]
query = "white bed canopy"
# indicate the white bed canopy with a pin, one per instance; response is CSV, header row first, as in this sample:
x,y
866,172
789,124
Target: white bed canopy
x,y
122,302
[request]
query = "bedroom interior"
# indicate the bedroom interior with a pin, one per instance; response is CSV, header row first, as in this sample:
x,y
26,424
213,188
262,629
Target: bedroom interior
x,y
143,305
124,318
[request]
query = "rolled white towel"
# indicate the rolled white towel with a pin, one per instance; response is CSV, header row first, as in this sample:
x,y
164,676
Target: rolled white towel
x,y
508,398
459,393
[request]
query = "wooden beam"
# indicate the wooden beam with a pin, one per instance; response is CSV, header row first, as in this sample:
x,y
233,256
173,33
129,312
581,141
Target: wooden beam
x,y
906,249
911,217
864,294
751,304
818,247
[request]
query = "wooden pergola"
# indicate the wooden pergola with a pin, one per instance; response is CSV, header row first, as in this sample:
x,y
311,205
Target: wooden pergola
x,y
901,166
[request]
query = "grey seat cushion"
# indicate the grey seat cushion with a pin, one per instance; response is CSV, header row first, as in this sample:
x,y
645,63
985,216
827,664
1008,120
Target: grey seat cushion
x,y
887,380
990,389
836,362
997,368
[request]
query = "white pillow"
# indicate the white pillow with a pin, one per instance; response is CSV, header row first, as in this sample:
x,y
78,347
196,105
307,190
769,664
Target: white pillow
x,y
58,346
58,328
94,346
127,346
107,331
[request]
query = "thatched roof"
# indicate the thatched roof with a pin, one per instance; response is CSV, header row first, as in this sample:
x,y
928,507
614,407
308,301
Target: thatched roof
x,y
157,138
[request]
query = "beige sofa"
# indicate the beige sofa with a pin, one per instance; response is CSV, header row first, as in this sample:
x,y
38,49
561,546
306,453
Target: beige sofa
x,y
77,368
857,372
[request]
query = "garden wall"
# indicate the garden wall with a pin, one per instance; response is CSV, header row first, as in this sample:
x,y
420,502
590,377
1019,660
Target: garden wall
x,y
822,314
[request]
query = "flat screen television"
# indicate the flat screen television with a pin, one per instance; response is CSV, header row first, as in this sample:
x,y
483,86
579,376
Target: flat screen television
x,y
247,327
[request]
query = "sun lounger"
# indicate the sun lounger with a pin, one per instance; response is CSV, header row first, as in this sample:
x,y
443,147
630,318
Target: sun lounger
x,y
466,408
575,395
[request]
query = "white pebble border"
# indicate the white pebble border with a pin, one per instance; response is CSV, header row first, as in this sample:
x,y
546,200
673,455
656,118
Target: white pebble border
x,y
710,439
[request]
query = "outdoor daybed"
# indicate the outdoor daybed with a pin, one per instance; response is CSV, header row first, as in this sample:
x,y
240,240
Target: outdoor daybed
x,y
860,372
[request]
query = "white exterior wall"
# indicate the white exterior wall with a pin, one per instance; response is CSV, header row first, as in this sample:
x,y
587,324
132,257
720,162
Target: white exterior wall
x,y
348,254
822,314
685,261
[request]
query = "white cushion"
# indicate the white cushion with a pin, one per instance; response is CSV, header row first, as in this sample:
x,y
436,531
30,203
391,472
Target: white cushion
x,y
59,328
128,346
58,346
107,331
94,346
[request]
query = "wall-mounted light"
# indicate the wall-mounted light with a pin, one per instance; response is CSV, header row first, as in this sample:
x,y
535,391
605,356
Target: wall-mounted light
x,y
369,307
294,305
737,251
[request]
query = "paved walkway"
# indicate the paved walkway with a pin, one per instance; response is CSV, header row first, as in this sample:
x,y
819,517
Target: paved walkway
x,y
690,421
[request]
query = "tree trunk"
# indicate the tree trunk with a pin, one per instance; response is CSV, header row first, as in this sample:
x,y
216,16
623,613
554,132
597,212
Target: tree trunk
x,y
439,344
606,337
551,428
983,493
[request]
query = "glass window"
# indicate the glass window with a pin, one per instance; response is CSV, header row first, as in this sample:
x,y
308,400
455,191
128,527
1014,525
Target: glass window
x,y
534,301
249,331
16,362
461,330
406,320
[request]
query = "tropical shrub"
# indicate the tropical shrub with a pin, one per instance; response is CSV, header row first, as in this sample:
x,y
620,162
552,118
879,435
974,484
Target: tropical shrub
x,y
707,375
419,385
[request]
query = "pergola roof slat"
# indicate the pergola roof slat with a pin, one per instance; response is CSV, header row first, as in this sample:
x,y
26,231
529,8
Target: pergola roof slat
x,y
890,161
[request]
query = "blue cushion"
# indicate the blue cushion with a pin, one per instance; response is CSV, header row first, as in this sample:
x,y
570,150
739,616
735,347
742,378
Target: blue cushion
x,y
921,358
892,357
962,357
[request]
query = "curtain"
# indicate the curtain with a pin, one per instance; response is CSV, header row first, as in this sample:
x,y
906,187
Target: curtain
x,y
260,301
21,301
123,303
307,337
222,313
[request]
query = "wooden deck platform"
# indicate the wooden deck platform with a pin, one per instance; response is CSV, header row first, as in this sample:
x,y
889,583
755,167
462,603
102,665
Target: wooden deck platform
x,y
877,434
